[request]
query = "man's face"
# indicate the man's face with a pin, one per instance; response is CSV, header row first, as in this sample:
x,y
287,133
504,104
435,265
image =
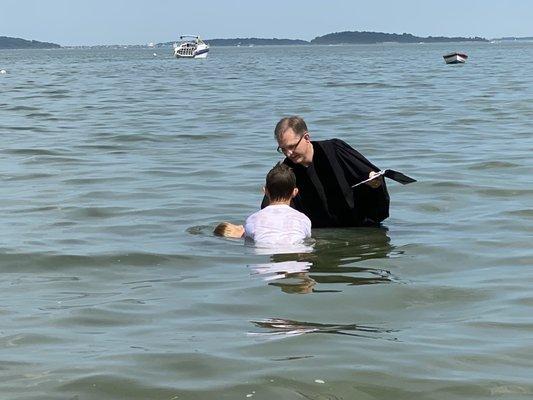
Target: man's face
x,y
295,147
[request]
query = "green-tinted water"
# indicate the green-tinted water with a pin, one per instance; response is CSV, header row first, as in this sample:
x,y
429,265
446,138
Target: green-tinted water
x,y
116,165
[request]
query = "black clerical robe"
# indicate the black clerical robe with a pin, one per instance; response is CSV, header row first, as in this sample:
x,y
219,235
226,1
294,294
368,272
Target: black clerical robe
x,y
325,194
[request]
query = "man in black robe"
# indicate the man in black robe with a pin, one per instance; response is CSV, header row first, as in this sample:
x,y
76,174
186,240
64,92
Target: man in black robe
x,y
325,173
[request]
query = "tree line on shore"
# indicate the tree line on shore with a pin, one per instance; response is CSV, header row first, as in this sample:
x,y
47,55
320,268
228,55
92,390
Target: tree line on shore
x,y
346,37
18,43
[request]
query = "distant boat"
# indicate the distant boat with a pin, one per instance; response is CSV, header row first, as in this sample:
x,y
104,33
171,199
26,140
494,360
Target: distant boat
x,y
191,47
455,58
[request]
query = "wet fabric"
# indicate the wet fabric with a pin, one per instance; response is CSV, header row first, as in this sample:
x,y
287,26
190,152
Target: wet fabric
x,y
277,225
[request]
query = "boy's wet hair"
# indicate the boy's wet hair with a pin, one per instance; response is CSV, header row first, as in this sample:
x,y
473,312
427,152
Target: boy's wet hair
x,y
227,229
280,182
222,229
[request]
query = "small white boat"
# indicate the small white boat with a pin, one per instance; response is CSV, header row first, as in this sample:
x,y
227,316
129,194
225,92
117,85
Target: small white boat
x,y
455,58
191,47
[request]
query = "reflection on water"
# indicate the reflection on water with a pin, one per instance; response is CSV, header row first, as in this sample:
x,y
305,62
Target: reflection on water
x,y
300,283
304,248
199,230
331,262
290,276
280,327
337,247
271,271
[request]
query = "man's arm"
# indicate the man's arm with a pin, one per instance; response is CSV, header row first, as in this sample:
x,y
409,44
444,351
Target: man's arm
x,y
370,202
358,166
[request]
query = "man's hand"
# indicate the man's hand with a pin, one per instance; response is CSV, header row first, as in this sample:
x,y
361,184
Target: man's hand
x,y
374,183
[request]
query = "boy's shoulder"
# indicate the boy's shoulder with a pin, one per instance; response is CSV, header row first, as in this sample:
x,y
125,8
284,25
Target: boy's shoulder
x,y
277,211
298,214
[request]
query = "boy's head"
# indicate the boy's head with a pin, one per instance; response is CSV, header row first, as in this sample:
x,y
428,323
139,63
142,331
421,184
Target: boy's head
x,y
280,183
227,229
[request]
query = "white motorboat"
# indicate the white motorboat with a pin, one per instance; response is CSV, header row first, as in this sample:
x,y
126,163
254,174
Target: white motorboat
x,y
455,58
191,47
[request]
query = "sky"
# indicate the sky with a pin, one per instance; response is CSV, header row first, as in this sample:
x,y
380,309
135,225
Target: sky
x,y
93,22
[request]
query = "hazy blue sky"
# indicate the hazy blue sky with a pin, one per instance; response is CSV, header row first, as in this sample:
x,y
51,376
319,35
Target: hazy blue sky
x,y
75,22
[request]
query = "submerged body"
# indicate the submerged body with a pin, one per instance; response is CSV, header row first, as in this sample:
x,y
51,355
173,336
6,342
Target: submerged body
x,y
277,224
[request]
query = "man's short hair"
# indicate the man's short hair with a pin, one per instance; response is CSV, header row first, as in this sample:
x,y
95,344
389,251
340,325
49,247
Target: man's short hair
x,y
296,123
280,182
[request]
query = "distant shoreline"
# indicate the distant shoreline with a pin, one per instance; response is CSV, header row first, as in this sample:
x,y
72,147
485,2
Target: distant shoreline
x,y
7,42
513,39
337,38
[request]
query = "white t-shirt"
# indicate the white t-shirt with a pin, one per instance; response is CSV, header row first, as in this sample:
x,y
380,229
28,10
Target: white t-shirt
x,y
278,224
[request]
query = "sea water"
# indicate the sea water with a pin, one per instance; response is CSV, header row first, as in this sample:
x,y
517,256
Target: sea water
x,y
116,164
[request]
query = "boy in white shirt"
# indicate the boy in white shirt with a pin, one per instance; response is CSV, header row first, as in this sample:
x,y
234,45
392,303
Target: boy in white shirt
x,y
278,223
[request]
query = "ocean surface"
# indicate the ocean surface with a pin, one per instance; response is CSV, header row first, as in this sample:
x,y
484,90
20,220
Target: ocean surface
x,y
116,164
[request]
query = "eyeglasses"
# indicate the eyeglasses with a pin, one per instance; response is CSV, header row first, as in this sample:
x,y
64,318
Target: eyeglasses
x,y
285,150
